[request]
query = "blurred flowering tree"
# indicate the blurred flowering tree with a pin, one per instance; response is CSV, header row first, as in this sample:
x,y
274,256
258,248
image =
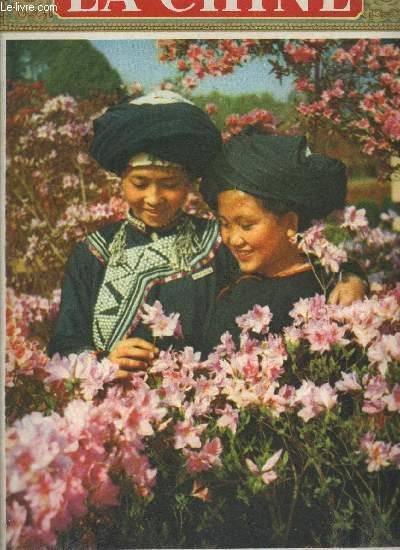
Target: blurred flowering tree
x,y
346,87
55,191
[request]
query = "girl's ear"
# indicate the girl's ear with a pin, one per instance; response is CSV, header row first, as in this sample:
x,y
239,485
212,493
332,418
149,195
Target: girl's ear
x,y
292,223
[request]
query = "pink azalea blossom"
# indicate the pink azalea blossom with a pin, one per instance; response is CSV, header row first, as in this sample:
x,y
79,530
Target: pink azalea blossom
x,y
315,399
348,383
373,406
385,350
323,334
256,320
378,452
354,219
376,388
160,324
393,399
211,108
208,457
228,418
187,434
266,472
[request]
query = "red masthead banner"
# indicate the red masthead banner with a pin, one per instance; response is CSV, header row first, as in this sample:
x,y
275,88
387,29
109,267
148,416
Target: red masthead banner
x,y
221,9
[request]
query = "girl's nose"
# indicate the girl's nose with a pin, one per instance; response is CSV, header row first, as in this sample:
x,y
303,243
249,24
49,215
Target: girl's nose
x,y
153,196
235,238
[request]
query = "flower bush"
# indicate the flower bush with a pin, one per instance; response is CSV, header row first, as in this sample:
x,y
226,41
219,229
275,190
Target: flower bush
x,y
272,432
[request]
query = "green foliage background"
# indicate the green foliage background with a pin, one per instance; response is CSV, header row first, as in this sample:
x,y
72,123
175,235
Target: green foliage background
x,y
72,67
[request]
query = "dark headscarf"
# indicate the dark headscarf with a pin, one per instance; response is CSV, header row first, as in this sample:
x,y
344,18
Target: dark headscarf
x,y
279,168
178,132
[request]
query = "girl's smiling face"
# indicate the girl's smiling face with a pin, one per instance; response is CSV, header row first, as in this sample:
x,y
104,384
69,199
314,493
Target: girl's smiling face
x,y
155,193
256,237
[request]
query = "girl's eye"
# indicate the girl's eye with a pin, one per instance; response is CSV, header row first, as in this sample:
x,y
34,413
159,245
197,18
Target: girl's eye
x,y
138,184
246,226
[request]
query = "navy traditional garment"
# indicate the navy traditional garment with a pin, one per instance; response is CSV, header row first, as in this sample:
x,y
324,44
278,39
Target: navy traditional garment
x,y
119,268
115,303
278,293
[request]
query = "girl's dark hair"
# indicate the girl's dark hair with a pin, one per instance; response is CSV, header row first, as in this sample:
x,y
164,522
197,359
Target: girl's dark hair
x,y
280,208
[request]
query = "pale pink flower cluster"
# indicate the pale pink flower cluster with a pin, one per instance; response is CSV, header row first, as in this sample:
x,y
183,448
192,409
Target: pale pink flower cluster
x,y
315,399
313,242
348,383
59,103
368,324
72,223
379,454
249,376
314,323
51,132
70,181
229,418
83,368
22,354
367,320
257,320
161,325
377,250
355,219
58,465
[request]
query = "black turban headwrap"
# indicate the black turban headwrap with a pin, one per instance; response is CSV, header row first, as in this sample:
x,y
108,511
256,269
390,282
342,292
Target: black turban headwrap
x,y
279,168
177,132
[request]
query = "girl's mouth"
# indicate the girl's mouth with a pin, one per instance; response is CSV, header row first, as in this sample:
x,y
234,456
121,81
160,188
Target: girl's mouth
x,y
243,255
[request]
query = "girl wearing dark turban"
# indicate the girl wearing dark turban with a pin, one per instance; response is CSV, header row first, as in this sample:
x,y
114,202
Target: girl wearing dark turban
x,y
158,144
266,188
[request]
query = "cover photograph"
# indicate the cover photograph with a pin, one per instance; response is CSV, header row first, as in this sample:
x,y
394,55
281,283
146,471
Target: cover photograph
x,y
200,283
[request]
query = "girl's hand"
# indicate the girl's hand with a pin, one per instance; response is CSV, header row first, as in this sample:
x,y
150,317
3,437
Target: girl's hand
x,y
132,354
348,291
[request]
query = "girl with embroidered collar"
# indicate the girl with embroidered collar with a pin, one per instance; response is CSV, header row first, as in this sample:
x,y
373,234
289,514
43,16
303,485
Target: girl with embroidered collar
x,y
158,144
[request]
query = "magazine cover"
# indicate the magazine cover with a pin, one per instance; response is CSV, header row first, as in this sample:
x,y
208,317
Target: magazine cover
x,y
201,273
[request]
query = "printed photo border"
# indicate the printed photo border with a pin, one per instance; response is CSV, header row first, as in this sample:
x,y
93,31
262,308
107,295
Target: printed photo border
x,y
377,22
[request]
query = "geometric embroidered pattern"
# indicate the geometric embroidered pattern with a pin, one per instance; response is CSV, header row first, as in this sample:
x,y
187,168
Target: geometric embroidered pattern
x,y
125,285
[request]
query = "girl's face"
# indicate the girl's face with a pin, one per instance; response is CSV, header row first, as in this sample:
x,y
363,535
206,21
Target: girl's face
x,y
155,193
257,238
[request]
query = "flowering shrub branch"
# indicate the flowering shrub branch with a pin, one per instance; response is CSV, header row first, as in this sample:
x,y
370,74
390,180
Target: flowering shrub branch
x,y
350,87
